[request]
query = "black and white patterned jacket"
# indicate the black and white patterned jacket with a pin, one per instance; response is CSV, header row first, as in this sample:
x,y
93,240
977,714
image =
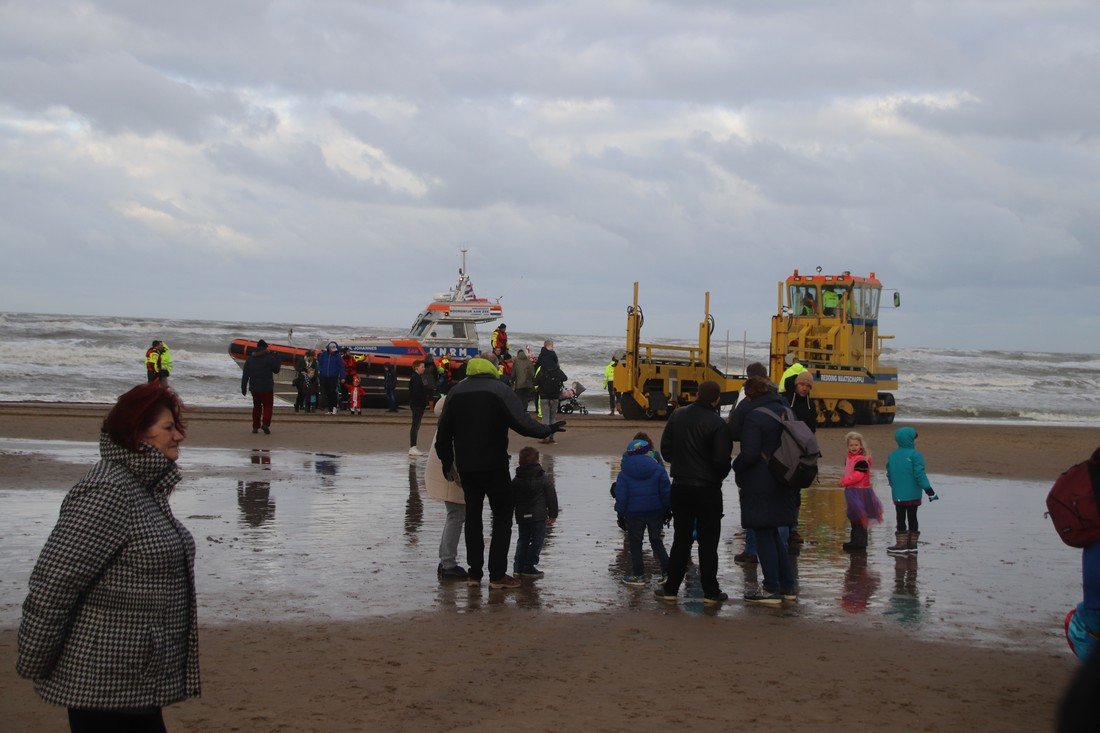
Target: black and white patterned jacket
x,y
110,619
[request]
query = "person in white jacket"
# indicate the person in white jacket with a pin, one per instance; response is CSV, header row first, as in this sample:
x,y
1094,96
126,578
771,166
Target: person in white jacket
x,y
450,493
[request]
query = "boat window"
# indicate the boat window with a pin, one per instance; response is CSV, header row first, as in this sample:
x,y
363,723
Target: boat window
x,y
420,328
451,330
803,299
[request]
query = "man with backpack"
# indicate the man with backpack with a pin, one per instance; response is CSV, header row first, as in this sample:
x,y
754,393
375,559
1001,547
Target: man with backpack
x,y
697,444
767,503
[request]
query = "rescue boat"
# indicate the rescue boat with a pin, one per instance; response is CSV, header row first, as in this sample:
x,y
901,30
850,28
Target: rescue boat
x,y
446,329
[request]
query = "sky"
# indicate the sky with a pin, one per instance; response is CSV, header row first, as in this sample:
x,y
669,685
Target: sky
x,y
325,162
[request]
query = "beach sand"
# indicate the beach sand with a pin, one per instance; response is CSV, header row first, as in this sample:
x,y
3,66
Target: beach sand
x,y
498,666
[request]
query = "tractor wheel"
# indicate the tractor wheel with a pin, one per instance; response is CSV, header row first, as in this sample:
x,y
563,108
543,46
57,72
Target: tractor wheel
x,y
630,408
887,399
865,412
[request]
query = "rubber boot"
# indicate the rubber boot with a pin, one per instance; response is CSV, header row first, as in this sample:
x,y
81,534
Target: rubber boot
x,y
858,541
901,544
912,543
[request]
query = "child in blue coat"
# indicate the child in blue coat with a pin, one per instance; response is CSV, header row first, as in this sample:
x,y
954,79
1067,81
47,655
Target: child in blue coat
x,y
905,472
642,498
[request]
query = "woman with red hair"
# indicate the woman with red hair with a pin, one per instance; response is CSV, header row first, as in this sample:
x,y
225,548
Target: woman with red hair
x,y
109,627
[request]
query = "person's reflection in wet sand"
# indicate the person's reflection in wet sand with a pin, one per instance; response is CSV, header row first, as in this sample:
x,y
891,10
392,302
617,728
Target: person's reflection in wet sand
x,y
327,466
255,502
414,507
904,603
261,457
859,584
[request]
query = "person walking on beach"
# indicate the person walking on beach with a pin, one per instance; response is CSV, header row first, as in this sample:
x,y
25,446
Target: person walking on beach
x,y
330,370
905,472
697,445
448,491
765,506
522,378
863,507
418,402
472,442
536,507
642,499
109,627
258,375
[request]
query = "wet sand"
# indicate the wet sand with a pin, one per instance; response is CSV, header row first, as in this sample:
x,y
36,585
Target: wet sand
x,y
491,662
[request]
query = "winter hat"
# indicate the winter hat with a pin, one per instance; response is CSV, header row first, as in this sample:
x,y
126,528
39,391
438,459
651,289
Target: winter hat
x,y
638,447
261,344
804,378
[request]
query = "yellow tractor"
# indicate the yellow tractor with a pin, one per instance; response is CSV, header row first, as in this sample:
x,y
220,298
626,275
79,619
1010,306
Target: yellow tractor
x,y
829,324
651,380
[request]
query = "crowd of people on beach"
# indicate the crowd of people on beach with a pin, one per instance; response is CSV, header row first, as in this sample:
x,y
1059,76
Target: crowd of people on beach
x,y
109,625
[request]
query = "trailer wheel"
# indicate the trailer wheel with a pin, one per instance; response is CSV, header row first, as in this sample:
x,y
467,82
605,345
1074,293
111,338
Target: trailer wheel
x,y
630,407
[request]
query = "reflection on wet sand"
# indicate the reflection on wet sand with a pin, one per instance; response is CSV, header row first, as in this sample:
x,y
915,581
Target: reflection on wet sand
x,y
255,502
345,544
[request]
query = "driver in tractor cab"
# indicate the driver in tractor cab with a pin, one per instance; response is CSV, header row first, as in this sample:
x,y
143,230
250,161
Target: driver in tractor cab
x,y
830,299
809,305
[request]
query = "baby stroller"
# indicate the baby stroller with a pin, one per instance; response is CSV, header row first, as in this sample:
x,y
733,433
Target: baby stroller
x,y
569,402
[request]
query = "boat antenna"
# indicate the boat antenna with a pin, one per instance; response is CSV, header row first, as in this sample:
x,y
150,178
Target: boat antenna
x,y
463,270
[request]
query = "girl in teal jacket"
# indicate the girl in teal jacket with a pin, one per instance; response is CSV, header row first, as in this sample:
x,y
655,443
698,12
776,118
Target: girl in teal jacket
x,y
905,472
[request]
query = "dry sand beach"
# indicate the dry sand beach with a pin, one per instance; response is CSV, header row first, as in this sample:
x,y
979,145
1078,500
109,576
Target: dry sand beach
x,y
496,665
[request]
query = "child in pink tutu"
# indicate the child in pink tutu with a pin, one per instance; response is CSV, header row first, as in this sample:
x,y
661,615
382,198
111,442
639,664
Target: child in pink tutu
x,y
863,506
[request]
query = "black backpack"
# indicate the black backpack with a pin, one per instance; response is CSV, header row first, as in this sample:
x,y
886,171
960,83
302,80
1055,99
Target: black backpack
x,y
794,463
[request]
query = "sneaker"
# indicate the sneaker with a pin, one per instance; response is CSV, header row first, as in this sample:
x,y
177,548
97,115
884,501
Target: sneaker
x,y
456,573
634,580
763,597
255,430
791,594
744,558
506,582
472,581
714,600
531,572
663,580
414,451
266,429
663,595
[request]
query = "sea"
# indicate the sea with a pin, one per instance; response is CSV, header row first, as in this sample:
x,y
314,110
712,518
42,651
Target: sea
x,y
93,359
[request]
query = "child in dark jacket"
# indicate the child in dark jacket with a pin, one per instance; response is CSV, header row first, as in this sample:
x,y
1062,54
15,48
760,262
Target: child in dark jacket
x,y
536,506
642,498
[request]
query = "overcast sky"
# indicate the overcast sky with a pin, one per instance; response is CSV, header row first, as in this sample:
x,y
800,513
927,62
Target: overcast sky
x,y
324,162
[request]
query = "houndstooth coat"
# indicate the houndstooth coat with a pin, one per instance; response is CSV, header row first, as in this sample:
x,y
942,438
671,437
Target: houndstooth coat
x,y
110,620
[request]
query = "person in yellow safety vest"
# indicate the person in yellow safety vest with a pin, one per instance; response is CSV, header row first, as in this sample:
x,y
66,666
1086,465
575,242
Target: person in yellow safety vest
x,y
794,368
829,301
499,339
609,382
165,362
152,361
809,305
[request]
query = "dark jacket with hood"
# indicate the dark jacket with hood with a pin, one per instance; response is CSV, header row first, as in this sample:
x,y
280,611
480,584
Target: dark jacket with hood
x,y
549,380
803,408
546,357
642,486
418,392
259,370
763,502
697,444
472,432
330,363
536,498
523,372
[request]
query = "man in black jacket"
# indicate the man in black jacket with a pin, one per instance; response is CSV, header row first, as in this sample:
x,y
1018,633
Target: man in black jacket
x,y
697,444
258,375
418,402
472,440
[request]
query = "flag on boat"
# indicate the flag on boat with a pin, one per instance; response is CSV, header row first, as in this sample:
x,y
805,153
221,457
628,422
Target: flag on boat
x,y
468,291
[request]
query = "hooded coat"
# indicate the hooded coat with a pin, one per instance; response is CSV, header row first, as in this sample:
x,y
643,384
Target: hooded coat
x,y
763,502
536,498
642,486
329,363
905,468
523,372
110,620
472,431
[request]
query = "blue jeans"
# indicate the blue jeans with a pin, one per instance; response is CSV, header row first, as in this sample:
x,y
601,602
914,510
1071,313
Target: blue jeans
x,y
528,546
636,527
750,540
774,561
